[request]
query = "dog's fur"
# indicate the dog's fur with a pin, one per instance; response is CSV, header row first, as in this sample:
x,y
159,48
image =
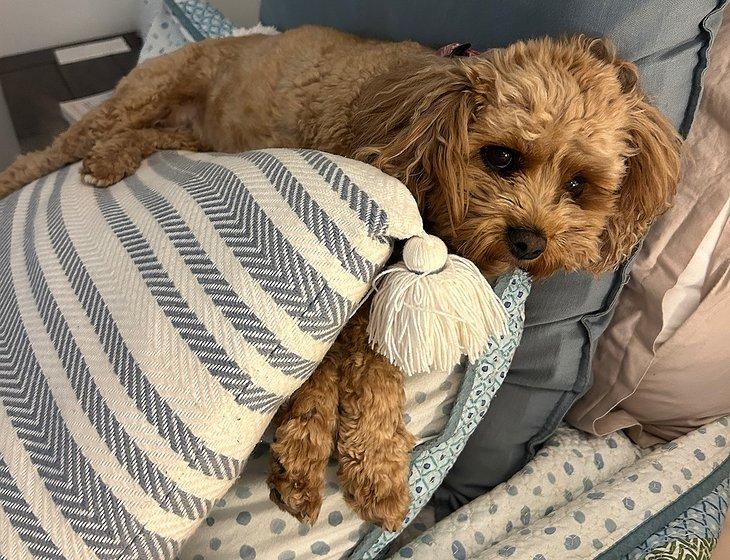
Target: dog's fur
x,y
568,108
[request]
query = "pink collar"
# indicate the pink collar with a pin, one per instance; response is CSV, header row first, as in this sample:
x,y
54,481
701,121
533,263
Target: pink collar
x,y
457,49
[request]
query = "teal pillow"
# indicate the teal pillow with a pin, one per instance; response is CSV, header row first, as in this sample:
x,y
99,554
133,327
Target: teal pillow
x,y
200,19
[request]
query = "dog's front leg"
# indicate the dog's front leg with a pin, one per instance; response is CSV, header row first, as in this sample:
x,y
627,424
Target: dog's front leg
x,y
112,159
304,442
374,445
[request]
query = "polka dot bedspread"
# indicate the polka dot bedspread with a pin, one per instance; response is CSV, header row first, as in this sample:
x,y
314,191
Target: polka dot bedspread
x,y
246,524
581,497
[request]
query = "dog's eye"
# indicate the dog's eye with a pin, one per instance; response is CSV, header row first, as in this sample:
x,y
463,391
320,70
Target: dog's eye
x,y
500,159
575,186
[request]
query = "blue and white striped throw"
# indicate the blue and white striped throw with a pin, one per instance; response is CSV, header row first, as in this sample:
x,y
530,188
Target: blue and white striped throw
x,y
149,331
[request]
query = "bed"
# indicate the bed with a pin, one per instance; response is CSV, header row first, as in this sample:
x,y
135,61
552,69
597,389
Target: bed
x,y
581,496
570,494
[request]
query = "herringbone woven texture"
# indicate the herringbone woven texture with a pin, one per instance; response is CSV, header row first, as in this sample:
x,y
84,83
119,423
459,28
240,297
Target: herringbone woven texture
x,y
149,331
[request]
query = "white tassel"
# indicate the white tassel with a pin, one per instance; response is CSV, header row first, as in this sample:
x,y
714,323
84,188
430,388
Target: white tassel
x,y
432,308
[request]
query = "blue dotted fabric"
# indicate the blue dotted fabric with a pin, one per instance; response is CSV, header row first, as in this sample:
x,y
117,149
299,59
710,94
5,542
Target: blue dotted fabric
x,y
585,496
164,36
147,11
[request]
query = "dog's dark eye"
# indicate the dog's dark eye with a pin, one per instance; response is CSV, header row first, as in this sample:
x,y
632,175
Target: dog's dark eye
x,y
575,186
500,159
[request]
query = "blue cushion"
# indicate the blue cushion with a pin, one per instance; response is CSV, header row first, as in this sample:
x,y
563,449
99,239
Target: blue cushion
x,y
666,39
567,313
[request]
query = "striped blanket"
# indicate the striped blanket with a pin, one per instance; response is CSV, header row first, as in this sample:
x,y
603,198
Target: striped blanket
x,y
149,331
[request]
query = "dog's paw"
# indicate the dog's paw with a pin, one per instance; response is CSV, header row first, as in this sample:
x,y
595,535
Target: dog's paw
x,y
96,177
375,478
101,170
294,496
377,489
90,179
8,185
387,511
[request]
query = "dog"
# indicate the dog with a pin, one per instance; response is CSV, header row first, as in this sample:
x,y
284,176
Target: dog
x,y
543,155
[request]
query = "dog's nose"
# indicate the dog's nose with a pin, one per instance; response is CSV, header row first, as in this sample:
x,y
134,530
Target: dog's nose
x,y
525,244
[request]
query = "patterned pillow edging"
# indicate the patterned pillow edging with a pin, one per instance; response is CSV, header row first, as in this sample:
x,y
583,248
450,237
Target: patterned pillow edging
x,y
200,19
432,460
654,524
695,531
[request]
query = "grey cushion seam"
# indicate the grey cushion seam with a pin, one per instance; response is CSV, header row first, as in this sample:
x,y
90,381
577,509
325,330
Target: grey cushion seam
x,y
584,377
707,36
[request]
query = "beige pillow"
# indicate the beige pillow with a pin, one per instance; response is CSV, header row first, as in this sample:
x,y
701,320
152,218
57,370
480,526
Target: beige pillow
x,y
661,368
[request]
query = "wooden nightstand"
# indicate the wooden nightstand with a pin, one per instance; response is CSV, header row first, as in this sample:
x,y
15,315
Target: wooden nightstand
x,y
8,141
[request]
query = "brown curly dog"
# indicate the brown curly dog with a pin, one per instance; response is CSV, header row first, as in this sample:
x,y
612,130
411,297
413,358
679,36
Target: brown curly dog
x,y
542,155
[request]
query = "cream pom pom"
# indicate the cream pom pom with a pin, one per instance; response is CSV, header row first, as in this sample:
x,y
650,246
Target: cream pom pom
x,y
432,308
425,254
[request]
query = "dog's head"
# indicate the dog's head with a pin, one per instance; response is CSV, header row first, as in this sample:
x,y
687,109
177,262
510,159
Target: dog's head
x,y
543,155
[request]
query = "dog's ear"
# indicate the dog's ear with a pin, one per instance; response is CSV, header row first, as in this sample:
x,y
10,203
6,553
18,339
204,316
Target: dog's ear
x,y
652,161
650,180
413,123
604,50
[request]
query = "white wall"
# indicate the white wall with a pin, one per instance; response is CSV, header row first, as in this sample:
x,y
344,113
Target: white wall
x,y
243,13
29,25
